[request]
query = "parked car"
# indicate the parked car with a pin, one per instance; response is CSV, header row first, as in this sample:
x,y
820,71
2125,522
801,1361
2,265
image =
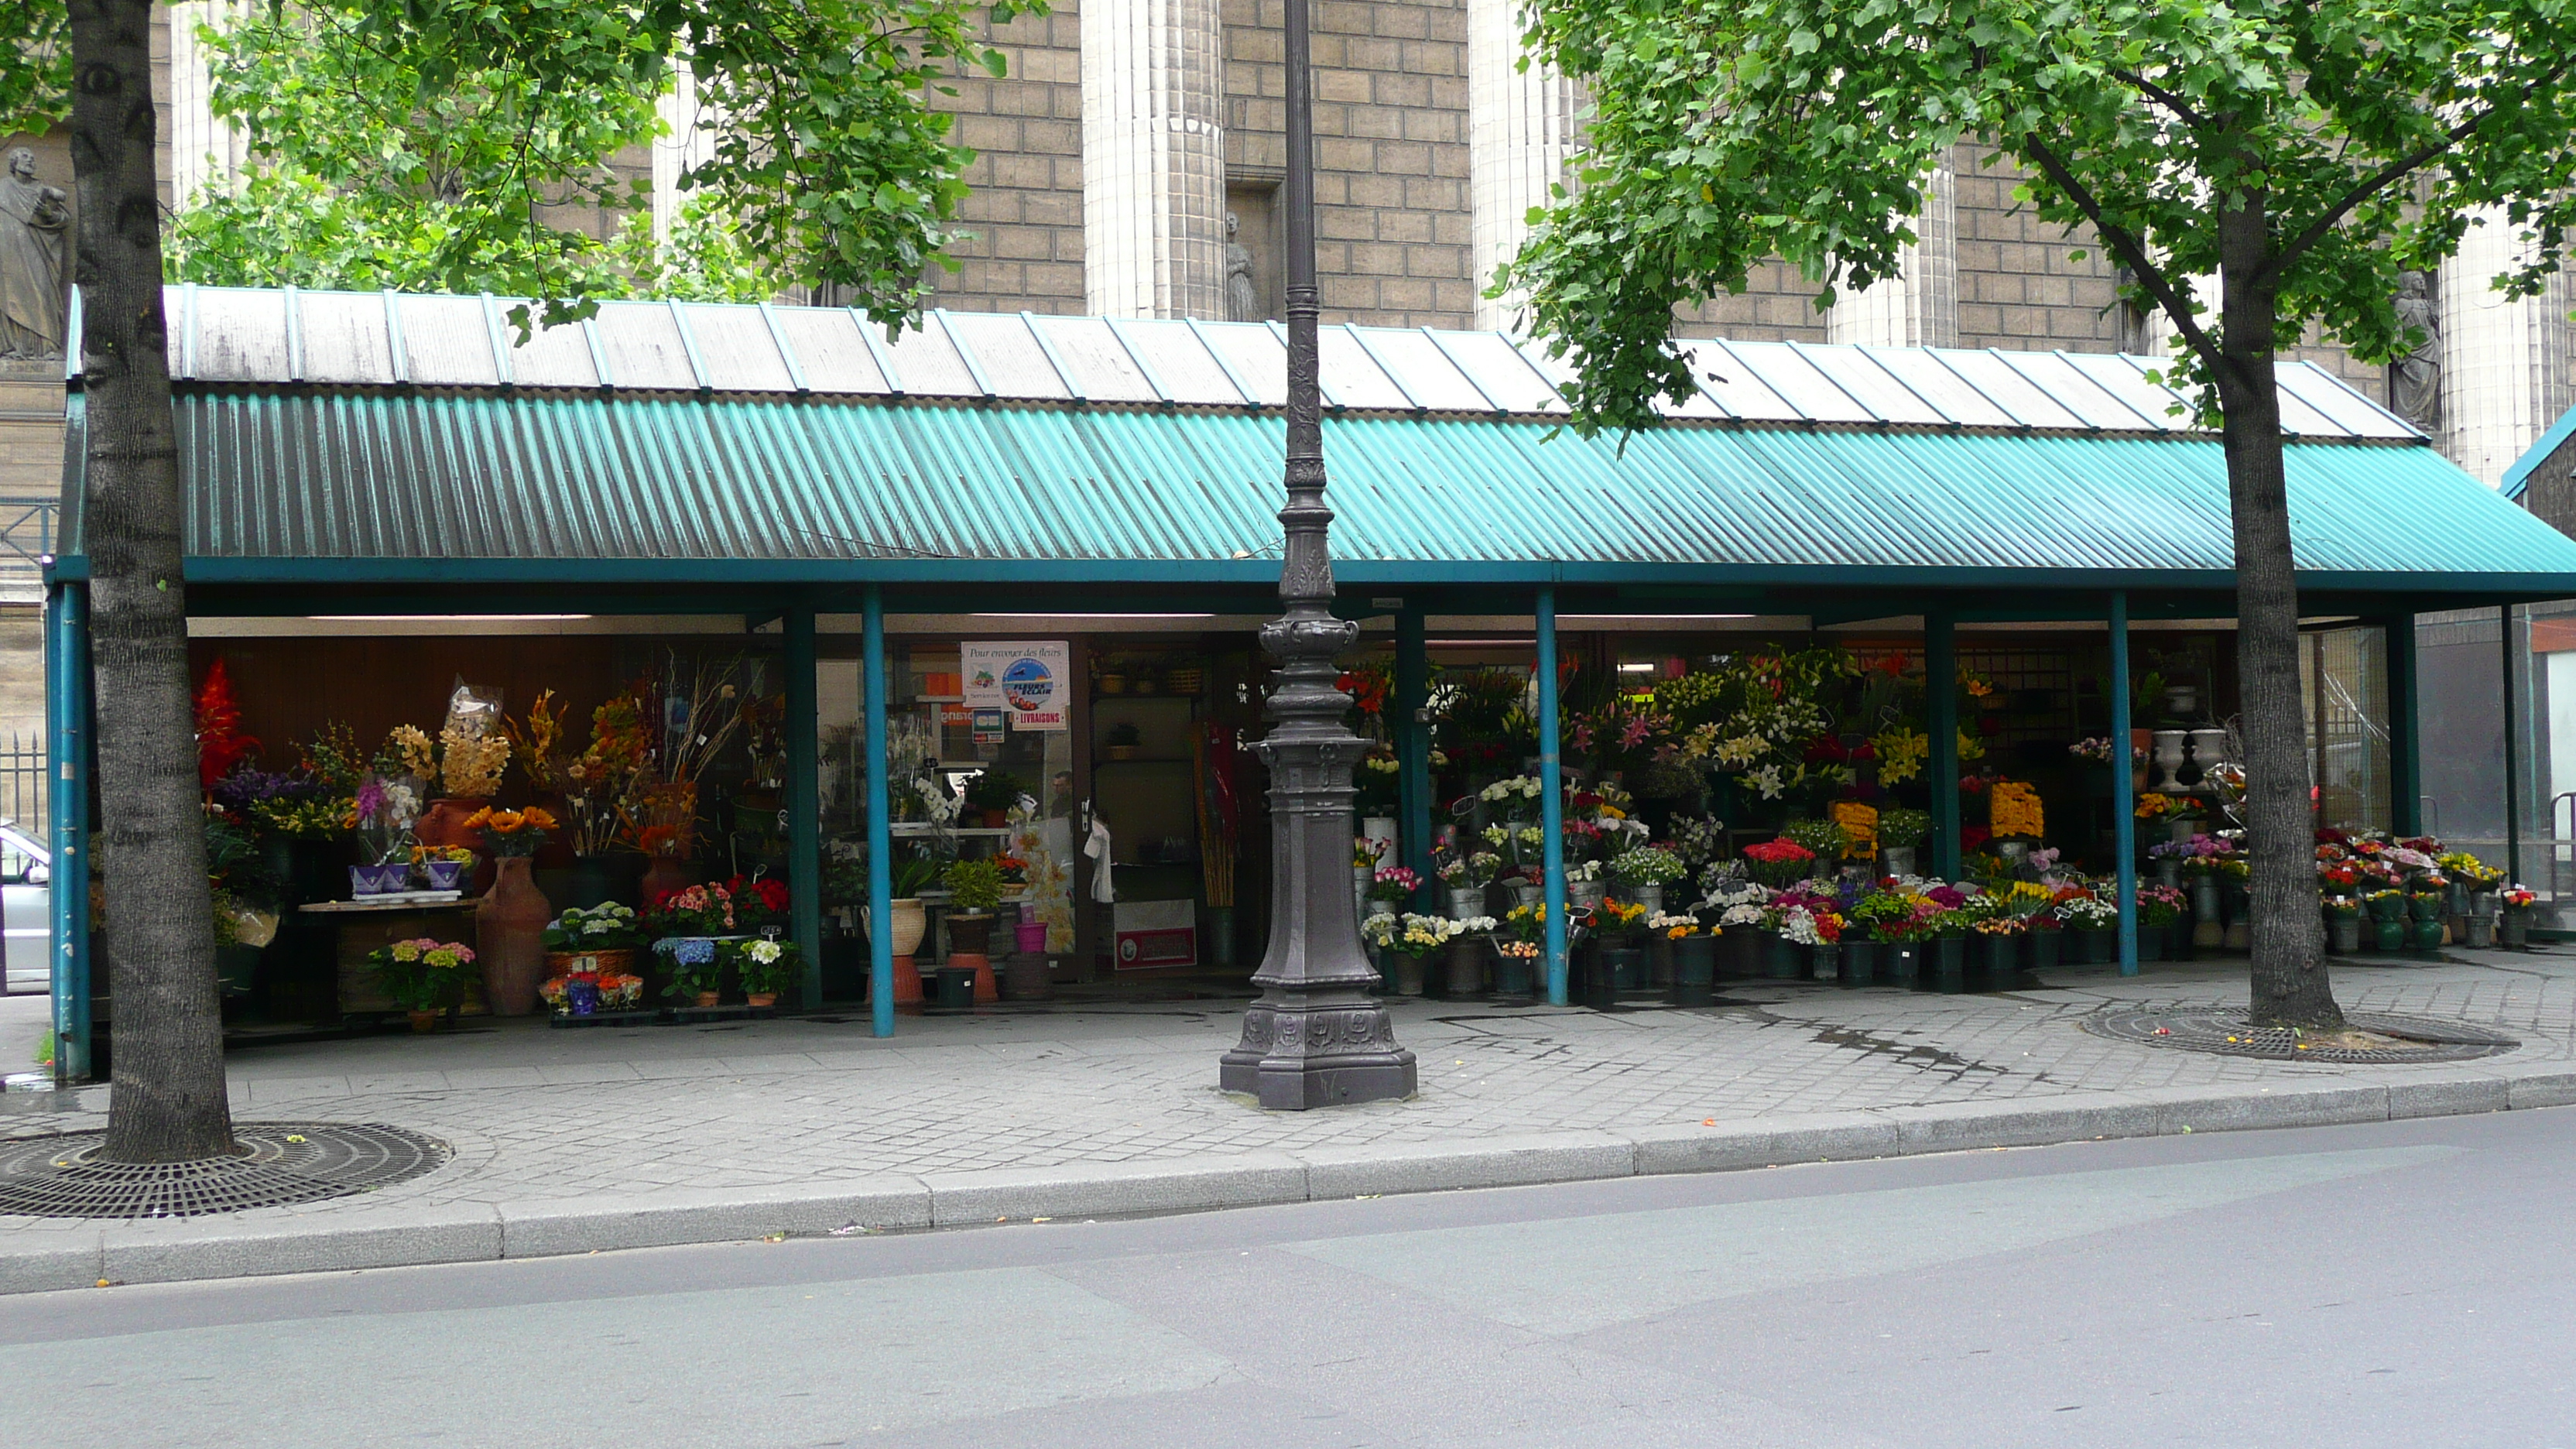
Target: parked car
x,y
26,921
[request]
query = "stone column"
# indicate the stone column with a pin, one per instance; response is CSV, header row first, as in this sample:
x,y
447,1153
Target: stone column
x,y
1520,133
206,150
1153,158
2504,363
1918,307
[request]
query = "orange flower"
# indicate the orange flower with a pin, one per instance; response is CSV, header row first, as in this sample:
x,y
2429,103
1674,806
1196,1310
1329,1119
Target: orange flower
x,y
479,818
537,819
504,822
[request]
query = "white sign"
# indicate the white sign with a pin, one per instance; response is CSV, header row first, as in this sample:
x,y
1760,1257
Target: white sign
x,y
1026,677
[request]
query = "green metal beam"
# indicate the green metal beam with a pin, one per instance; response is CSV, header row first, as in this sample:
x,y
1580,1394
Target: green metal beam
x,y
2405,736
2124,804
1941,696
804,803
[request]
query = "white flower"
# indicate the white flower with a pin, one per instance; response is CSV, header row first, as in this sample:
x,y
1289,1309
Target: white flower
x,y
1744,915
763,951
1766,780
1475,924
1666,921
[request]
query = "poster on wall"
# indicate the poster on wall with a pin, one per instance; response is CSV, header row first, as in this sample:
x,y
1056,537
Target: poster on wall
x,y
1025,678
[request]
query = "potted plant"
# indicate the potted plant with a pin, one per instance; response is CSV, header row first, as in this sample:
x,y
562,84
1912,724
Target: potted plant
x,y
1467,875
974,890
599,939
993,793
1517,958
1390,888
426,975
1643,871
1778,863
2094,922
1999,950
765,967
1400,942
1824,840
2343,925
697,968
1694,958
1615,924
510,924
1124,740
2159,911
1900,833
2517,902
1467,956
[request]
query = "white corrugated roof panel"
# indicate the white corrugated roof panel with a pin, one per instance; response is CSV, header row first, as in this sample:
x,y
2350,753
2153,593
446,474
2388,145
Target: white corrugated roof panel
x,y
2007,389
1008,355
1499,371
644,347
240,334
1946,392
736,344
1254,357
1798,383
1352,379
552,356
447,341
926,365
2071,390
1424,371
2120,377
1103,369
2339,400
1735,388
345,337
1854,371
1178,363
830,351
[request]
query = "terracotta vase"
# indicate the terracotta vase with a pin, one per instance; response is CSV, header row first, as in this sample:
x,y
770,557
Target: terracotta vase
x,y
707,998
423,1021
760,998
443,824
510,938
666,874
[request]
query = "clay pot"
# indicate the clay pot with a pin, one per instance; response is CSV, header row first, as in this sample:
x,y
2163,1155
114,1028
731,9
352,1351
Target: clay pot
x,y
443,823
667,873
423,1021
706,998
509,938
760,998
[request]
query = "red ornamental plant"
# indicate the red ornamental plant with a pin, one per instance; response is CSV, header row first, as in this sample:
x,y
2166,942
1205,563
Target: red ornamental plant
x,y
220,742
1778,862
757,901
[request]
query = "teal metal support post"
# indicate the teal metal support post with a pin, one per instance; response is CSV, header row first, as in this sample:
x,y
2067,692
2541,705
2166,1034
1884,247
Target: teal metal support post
x,y
2405,749
1413,747
1551,793
804,804
2513,730
2124,802
1941,694
67,710
880,822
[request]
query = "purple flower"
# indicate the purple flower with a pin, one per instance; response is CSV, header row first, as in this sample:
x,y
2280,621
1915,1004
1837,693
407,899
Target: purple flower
x,y
1946,897
371,798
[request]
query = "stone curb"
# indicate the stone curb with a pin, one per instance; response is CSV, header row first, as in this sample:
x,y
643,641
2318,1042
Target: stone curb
x,y
69,1256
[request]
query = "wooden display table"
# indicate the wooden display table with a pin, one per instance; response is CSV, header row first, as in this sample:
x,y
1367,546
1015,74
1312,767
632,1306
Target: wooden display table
x,y
365,926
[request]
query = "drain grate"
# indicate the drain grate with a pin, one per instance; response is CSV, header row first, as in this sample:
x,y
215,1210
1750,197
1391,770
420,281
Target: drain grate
x,y
2224,1032
277,1163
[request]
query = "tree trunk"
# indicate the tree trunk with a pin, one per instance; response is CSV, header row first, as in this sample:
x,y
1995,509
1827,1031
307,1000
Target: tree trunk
x,y
168,1104
2289,971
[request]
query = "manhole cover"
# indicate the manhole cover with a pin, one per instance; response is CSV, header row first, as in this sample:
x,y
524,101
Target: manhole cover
x,y
2215,1029
278,1163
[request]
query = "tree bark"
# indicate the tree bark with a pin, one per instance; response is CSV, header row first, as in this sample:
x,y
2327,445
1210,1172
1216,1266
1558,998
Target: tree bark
x,y
168,1104
2289,970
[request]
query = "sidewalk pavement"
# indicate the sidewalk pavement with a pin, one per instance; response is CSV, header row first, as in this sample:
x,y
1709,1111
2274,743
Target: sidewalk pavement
x,y
574,1141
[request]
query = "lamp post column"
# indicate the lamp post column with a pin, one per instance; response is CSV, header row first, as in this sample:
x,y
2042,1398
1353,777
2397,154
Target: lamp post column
x,y
1314,1037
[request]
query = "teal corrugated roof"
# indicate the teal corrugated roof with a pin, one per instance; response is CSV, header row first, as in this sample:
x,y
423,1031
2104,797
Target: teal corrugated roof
x,y
631,486
2518,477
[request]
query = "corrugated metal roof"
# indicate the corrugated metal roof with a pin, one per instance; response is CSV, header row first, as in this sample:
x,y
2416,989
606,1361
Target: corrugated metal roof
x,y
2518,477
228,336
780,484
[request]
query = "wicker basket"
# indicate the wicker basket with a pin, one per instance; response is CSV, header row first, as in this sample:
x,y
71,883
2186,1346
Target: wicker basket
x,y
564,963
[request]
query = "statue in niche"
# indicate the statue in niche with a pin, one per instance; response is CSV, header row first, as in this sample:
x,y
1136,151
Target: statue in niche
x,y
33,218
2415,379
1242,299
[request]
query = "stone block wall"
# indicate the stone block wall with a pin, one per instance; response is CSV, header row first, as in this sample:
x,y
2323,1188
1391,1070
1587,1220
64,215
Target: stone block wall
x,y
1026,206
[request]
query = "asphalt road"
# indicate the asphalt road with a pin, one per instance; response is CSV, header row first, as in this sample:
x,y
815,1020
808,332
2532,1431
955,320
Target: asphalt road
x,y
2400,1284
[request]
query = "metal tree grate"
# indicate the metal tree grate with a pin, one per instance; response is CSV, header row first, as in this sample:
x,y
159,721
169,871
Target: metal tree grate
x,y
277,1163
2211,1029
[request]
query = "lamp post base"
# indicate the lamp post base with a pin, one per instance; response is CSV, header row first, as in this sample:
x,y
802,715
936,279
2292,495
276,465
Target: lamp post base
x,y
1318,1055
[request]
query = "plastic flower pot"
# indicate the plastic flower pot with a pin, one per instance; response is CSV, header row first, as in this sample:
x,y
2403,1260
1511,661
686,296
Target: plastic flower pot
x,y
1694,971
1860,961
2424,938
1598,979
1513,974
1826,958
1950,963
1030,937
2387,934
1999,961
1904,963
2098,948
956,986
2045,948
1780,959
2151,942
445,875
582,997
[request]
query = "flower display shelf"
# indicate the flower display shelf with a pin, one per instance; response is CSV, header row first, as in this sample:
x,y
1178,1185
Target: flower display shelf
x,y
640,1016
700,1015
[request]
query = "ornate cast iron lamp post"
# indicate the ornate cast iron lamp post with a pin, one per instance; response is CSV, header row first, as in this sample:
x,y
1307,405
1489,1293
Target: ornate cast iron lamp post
x,y
1315,1037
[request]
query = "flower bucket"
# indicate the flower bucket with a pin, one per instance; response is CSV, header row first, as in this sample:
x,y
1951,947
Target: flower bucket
x,y
2045,949
2481,932
2515,927
1030,937
1949,964
1903,964
1513,974
1999,961
1780,959
1466,974
1466,902
2344,934
1586,894
2098,948
2387,933
1826,960
1650,895
2424,938
1694,970
1860,961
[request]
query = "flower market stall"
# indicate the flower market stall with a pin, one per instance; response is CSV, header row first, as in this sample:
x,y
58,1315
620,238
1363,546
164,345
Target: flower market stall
x,y
1910,661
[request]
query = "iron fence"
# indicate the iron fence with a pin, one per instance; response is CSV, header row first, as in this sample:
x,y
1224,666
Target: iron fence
x,y
26,537
22,781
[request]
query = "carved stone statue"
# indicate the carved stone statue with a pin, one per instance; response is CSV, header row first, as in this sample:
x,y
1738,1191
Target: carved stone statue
x,y
2415,379
1242,300
33,217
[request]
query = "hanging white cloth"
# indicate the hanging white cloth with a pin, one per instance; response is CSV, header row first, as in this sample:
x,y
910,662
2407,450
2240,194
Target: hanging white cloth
x,y
1096,850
